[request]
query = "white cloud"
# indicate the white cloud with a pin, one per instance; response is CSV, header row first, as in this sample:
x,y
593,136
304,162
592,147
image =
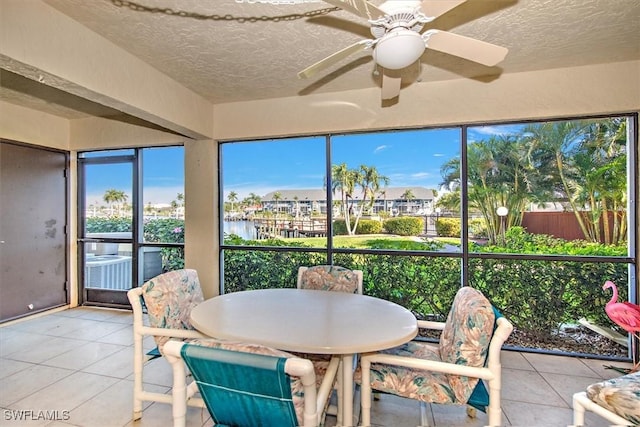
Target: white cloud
x,y
380,148
420,175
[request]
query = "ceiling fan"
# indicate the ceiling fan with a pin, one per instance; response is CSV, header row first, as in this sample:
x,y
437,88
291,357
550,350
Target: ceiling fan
x,y
398,42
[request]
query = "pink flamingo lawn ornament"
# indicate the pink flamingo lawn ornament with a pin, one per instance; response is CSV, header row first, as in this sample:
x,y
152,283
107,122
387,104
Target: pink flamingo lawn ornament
x,y
624,314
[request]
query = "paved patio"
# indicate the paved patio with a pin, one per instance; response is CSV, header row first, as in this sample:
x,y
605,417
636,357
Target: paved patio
x,y
77,365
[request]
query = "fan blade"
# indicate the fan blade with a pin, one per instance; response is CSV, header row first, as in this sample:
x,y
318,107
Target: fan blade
x,y
332,59
435,8
359,7
465,47
390,85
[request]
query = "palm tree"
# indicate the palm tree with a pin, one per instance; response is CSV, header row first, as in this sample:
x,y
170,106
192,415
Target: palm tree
x,y
276,198
566,143
114,197
449,201
232,197
255,200
407,196
295,199
591,165
344,180
500,172
371,183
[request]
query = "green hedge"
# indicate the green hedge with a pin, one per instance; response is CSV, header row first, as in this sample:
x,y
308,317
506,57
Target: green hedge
x,y
108,225
448,227
404,226
365,226
537,296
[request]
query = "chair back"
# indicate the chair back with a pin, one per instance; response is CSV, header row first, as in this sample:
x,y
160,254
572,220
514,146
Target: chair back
x,y
330,278
248,384
169,298
466,337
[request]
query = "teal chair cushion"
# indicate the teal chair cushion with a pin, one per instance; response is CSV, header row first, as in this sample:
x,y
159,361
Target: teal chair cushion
x,y
259,364
242,389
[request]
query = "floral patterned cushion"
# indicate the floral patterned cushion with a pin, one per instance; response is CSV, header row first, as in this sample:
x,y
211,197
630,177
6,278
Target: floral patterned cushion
x,y
329,278
297,390
619,395
427,386
464,341
169,298
466,337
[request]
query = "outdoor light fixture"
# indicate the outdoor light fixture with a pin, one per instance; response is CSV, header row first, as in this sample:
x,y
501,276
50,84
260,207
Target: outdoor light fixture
x,y
502,213
398,49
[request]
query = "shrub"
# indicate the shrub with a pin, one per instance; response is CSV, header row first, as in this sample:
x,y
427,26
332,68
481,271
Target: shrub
x,y
448,227
404,226
339,227
164,230
517,240
478,228
365,226
369,226
108,225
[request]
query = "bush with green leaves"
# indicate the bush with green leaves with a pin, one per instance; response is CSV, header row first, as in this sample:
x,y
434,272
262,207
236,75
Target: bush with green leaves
x,y
518,241
108,225
246,269
404,226
365,226
448,227
478,228
538,296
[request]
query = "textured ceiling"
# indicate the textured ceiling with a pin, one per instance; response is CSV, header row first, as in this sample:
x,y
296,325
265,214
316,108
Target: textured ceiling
x,y
248,51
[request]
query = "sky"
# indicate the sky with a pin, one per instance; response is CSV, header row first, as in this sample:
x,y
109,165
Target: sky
x,y
408,158
163,177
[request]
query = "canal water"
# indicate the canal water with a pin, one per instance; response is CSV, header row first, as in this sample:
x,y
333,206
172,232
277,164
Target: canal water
x,y
244,229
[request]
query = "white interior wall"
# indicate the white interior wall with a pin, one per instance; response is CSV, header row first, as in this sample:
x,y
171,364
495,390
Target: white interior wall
x,y
589,90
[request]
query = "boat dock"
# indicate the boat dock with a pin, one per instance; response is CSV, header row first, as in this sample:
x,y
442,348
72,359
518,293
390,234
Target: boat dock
x,y
273,228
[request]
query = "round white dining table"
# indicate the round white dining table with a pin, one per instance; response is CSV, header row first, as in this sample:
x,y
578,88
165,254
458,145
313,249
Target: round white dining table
x,y
309,321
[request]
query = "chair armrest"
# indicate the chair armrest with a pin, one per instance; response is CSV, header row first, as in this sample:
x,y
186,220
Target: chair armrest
x,y
427,324
173,333
426,365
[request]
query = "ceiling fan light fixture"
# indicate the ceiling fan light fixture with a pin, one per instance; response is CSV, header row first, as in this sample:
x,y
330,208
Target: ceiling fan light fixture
x,y
398,49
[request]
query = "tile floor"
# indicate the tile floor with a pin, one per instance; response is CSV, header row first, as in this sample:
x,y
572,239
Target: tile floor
x,y
73,368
